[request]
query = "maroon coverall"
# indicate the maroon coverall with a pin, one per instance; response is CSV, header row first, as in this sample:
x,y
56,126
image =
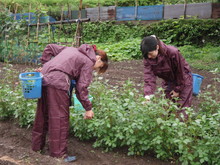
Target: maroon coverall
x,y
174,70
61,64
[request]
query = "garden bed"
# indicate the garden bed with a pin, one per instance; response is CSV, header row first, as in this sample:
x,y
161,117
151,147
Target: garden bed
x,y
15,142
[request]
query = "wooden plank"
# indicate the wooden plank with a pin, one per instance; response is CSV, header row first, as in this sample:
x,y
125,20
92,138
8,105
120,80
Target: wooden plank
x,y
200,10
173,11
215,10
102,13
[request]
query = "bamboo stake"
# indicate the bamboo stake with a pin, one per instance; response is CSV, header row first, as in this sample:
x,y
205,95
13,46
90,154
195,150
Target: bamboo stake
x,y
29,21
67,18
69,11
16,9
49,39
78,29
61,19
98,11
37,30
116,3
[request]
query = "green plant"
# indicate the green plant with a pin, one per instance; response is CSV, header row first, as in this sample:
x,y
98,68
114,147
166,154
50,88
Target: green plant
x,y
123,120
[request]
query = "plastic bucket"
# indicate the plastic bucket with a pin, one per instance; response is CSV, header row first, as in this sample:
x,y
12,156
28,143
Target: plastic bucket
x,y
197,81
31,84
77,105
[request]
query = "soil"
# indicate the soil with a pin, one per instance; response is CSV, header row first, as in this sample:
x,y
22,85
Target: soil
x,y
15,142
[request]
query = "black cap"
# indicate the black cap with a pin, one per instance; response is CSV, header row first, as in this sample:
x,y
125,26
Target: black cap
x,y
148,44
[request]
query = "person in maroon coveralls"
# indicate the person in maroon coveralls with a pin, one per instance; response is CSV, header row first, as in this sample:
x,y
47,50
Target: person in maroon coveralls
x,y
60,66
166,62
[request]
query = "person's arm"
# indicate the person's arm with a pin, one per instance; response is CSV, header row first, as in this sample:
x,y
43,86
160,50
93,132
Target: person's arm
x,y
178,69
82,84
50,51
149,80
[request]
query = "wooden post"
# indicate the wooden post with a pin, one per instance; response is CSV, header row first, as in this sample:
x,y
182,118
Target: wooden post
x,y
67,19
61,19
98,11
16,9
69,11
185,6
49,39
163,1
29,21
136,9
78,28
37,30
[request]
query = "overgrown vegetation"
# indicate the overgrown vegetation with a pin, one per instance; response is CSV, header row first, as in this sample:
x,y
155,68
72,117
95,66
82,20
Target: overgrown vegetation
x,y
123,120
54,5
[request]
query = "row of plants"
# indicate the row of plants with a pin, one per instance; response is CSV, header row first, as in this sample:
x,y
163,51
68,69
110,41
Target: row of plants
x,y
205,58
123,119
177,32
121,41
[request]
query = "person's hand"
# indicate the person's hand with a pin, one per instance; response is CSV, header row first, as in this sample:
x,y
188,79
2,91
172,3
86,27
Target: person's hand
x,y
38,69
89,114
174,94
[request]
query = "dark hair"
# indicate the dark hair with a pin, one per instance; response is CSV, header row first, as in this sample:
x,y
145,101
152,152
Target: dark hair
x,y
104,59
148,44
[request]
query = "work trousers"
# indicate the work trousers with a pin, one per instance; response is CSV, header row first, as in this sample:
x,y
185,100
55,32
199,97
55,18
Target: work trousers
x,y
52,117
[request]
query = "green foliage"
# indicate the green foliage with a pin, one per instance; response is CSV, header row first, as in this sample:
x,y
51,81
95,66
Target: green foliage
x,y
176,32
102,32
54,4
124,50
186,32
12,103
9,27
122,119
206,58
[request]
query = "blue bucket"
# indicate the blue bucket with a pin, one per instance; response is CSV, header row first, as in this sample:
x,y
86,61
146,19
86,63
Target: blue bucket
x,y
77,105
197,81
31,84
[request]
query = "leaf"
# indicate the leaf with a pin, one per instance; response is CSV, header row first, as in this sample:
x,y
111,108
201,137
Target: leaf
x,y
159,121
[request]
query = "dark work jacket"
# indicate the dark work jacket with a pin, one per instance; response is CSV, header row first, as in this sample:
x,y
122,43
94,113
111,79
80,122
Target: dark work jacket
x,y
170,66
62,64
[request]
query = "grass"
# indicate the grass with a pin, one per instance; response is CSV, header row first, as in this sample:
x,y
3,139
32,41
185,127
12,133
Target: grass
x,y
205,58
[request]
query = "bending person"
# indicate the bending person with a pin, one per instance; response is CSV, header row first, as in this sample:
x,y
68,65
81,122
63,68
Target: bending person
x,y
61,65
166,62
